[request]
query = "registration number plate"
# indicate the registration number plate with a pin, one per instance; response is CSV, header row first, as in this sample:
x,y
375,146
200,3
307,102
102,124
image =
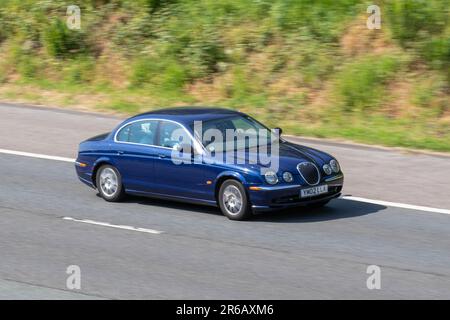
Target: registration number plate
x,y
314,191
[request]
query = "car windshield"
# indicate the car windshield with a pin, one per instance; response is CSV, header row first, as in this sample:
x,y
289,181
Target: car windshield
x,y
232,133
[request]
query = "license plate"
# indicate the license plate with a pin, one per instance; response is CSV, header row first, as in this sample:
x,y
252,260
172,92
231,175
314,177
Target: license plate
x,y
314,191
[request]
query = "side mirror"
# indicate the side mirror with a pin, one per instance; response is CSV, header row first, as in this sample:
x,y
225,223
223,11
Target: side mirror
x,y
279,131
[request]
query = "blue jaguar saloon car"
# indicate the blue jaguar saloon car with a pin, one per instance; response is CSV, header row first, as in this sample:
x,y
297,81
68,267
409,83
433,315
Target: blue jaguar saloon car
x,y
208,156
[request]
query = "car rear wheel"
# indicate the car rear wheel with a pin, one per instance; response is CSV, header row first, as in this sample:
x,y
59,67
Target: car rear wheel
x,y
233,200
109,184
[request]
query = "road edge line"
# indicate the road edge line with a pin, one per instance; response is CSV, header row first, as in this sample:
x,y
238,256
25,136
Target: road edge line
x,y
109,225
397,205
36,155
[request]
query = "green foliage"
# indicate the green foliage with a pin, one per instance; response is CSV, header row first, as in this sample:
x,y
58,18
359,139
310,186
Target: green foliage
x,y
174,76
314,61
4,27
132,35
191,36
423,25
123,106
62,42
415,20
361,84
80,70
28,67
261,55
323,19
143,71
240,88
166,75
437,52
23,61
426,90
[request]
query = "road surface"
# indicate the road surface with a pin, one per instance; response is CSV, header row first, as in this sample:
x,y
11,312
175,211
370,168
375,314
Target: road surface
x,y
154,249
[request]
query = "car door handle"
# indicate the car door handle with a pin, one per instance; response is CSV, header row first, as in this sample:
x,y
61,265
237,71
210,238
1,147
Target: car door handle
x,y
120,153
161,156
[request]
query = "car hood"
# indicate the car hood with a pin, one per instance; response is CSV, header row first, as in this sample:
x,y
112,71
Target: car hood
x,y
289,156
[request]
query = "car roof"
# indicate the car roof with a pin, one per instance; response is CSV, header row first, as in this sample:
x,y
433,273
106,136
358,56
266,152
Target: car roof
x,y
187,115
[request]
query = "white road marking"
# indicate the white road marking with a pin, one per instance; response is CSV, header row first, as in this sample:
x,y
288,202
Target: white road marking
x,y
397,205
379,202
105,224
36,155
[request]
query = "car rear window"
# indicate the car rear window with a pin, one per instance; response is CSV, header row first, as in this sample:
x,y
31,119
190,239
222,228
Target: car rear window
x,y
141,132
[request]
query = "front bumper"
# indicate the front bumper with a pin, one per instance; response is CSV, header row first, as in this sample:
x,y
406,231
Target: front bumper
x,y
279,197
84,173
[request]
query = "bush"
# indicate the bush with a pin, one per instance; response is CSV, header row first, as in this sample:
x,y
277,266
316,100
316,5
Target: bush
x,y
203,55
28,67
62,42
131,35
166,74
361,84
143,71
416,20
437,52
173,77
23,61
79,71
323,19
191,35
3,26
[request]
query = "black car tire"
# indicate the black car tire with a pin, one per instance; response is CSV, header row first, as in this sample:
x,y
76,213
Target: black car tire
x,y
115,195
237,194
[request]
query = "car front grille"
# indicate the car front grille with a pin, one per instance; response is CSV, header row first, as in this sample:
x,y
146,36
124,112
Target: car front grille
x,y
309,172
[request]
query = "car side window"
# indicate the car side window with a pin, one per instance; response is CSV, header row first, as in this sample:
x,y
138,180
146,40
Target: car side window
x,y
142,132
171,134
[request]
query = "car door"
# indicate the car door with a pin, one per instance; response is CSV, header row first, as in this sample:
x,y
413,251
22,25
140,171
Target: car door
x,y
176,174
135,154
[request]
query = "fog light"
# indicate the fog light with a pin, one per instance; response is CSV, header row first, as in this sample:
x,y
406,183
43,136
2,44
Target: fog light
x,y
287,176
271,177
327,169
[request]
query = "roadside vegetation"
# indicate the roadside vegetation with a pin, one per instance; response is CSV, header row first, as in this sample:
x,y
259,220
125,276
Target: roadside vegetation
x,y
311,67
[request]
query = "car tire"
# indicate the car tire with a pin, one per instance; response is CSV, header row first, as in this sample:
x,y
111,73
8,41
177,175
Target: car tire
x,y
233,200
109,183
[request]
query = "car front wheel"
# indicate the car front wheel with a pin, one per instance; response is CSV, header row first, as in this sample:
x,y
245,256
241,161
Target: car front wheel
x,y
233,200
109,183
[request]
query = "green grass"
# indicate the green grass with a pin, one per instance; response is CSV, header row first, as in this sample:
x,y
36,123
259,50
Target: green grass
x,y
361,84
380,131
273,59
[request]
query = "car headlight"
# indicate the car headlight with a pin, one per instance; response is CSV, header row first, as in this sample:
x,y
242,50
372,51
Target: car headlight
x,y
271,177
335,166
287,176
327,169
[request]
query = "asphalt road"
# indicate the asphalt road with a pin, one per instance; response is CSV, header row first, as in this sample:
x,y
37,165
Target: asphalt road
x,y
296,254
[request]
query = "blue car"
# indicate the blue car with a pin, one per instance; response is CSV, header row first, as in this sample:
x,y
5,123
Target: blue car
x,y
181,154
